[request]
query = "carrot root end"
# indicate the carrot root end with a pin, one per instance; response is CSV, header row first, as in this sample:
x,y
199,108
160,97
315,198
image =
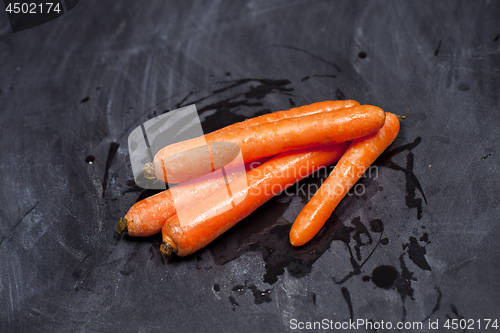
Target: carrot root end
x,y
403,117
149,171
122,225
166,249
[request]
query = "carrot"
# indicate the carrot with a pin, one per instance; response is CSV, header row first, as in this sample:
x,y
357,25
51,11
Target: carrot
x,y
196,226
146,217
178,147
356,160
300,111
268,139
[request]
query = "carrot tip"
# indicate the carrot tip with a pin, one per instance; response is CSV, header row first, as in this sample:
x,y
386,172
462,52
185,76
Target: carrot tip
x,y
149,171
166,249
122,225
296,242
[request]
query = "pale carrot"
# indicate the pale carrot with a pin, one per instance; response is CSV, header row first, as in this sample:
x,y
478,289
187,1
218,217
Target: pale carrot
x,y
268,139
356,160
196,226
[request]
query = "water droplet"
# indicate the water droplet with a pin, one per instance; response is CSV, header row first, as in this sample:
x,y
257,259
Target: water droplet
x,y
233,302
239,289
90,159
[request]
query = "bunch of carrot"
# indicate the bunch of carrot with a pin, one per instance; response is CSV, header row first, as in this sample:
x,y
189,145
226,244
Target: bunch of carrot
x,y
304,139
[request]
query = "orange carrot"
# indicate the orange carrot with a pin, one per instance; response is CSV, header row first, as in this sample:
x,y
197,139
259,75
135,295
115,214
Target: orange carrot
x,y
268,139
356,160
196,226
146,217
300,111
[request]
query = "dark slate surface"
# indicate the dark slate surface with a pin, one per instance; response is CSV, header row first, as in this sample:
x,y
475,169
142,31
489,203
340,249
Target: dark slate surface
x,y
420,243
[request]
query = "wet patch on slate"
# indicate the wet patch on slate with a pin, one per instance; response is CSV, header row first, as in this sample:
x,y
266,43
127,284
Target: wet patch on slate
x,y
260,296
384,276
347,298
412,182
417,252
389,277
234,95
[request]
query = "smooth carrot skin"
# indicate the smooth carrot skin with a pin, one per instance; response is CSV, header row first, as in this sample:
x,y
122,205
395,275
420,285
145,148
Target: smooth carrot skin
x,y
268,139
201,223
355,161
300,111
146,217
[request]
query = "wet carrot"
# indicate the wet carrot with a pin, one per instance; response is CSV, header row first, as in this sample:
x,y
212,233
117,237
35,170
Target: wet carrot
x,y
268,139
355,161
300,111
305,110
196,226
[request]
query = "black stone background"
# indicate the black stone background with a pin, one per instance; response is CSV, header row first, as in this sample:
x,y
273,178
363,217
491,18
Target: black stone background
x,y
421,243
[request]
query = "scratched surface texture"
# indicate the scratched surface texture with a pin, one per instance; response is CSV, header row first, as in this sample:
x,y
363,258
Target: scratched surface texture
x,y
419,241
